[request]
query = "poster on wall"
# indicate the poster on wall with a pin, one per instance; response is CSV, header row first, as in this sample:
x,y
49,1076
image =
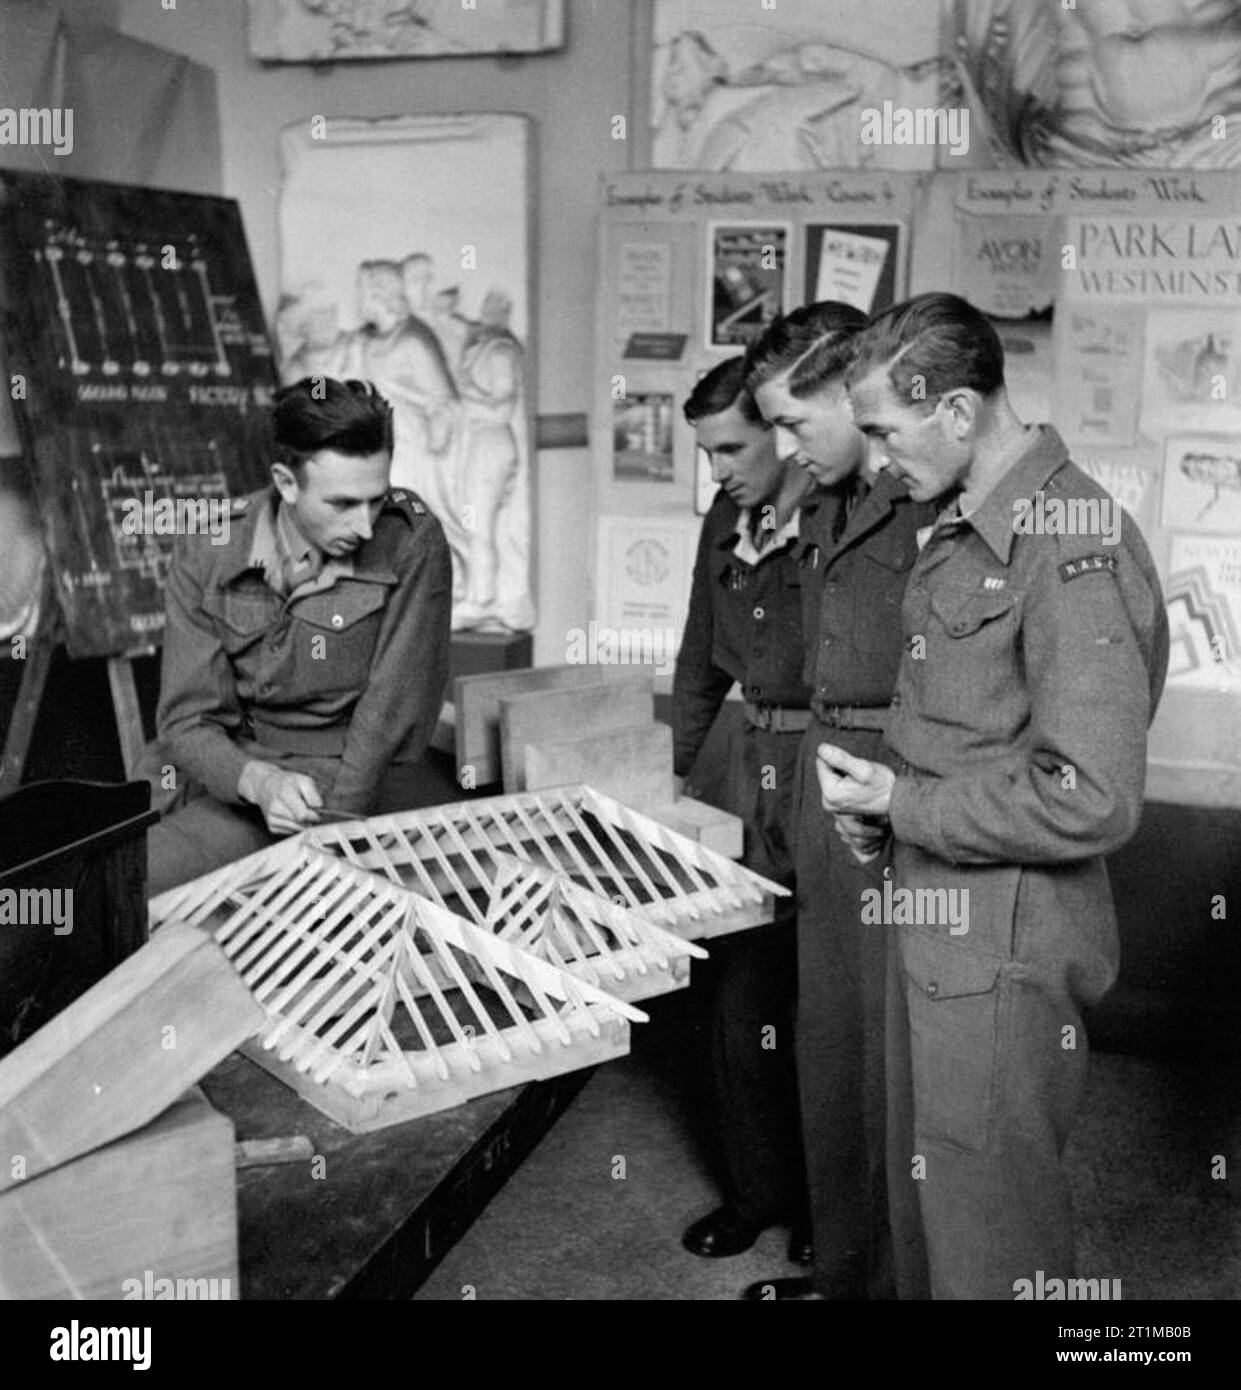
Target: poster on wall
x,y
316,31
854,263
1202,484
429,297
745,87
642,437
645,568
747,273
1098,85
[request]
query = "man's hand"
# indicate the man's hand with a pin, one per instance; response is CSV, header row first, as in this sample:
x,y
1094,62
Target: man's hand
x,y
852,786
288,800
865,838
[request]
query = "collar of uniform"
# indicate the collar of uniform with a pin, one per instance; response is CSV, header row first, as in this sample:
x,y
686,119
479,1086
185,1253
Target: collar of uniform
x,y
744,547
289,537
993,517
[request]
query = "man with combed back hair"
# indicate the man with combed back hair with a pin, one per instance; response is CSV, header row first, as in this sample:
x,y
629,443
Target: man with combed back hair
x,y
855,551
1034,662
307,654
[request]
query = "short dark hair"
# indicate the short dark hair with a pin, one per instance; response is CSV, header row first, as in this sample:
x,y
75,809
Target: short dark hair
x,y
723,386
319,412
939,338
813,344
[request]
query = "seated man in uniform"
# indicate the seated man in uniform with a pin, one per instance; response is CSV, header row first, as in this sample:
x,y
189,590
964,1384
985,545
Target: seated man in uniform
x,y
1036,649
744,625
307,653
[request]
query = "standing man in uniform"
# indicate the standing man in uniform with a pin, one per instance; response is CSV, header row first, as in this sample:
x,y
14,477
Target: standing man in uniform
x,y
855,552
1037,649
744,625
305,654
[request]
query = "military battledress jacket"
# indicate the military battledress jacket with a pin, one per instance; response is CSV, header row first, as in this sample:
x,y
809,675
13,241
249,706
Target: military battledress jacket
x,y
348,671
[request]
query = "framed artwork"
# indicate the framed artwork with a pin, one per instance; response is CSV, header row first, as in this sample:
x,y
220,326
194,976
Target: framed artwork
x,y
406,260
316,31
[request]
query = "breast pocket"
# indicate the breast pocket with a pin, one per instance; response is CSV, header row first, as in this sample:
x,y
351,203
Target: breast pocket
x,y
241,619
880,588
968,665
336,634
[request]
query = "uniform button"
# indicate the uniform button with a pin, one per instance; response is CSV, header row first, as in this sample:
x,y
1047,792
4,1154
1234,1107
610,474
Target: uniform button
x,y
932,989
760,614
896,701
337,620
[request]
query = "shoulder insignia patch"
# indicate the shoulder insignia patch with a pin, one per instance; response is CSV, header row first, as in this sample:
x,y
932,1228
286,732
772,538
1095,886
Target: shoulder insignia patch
x,y
405,501
239,504
1086,564
992,582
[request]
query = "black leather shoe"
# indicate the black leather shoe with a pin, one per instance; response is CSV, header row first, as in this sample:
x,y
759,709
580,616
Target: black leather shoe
x,y
720,1234
800,1290
801,1246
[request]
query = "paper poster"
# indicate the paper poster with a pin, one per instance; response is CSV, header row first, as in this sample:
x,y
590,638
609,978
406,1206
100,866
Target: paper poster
x,y
1192,372
1100,373
1009,267
853,264
644,578
746,285
1202,484
643,287
642,427
1131,475
1204,611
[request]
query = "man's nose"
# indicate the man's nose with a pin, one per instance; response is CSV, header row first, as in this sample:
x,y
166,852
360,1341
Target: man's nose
x,y
785,442
720,471
878,458
362,524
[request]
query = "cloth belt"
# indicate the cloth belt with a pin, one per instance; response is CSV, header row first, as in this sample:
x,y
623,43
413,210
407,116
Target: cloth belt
x,y
778,719
326,742
851,716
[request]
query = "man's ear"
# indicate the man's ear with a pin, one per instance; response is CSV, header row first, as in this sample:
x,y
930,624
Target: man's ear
x,y
286,482
960,407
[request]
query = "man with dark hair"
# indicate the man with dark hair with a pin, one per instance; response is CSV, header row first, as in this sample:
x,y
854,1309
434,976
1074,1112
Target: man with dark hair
x,y
305,654
856,548
744,625
1035,658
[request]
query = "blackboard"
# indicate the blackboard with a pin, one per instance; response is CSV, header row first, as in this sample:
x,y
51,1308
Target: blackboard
x,y
140,369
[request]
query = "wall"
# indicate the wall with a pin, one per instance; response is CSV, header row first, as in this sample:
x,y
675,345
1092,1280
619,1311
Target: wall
x,y
573,148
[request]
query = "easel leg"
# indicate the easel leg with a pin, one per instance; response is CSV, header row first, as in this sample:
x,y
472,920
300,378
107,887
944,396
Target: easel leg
x,y
128,712
25,714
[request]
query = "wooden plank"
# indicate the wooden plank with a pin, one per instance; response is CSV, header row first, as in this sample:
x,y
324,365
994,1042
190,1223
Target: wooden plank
x,y
122,1052
622,702
712,828
632,765
159,1204
477,700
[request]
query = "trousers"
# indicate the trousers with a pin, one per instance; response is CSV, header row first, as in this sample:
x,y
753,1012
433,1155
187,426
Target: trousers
x,y
752,1001
840,1039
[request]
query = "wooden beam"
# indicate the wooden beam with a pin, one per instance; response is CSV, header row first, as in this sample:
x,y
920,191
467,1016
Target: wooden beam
x,y
580,712
122,1052
163,1200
